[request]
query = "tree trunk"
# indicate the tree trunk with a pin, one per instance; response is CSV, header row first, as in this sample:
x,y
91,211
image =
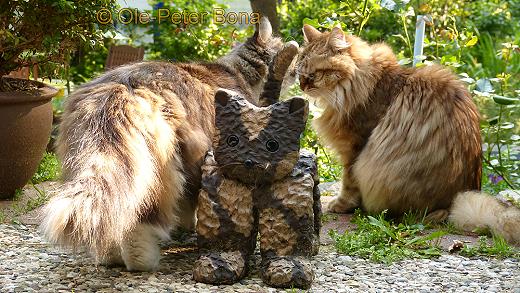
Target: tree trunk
x,y
267,8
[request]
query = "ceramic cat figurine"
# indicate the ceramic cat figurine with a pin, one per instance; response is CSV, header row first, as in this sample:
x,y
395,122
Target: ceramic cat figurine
x,y
257,180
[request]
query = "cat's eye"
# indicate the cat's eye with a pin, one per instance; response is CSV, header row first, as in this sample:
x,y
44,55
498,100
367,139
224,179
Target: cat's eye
x,y
310,76
232,140
272,145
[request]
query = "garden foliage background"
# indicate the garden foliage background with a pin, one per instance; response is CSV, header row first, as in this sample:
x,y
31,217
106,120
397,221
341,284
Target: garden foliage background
x,y
479,40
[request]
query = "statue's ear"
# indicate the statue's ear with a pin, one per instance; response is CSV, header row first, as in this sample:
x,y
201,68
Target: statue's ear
x,y
298,107
222,97
310,33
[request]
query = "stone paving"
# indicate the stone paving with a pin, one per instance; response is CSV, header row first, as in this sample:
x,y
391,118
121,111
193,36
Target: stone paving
x,y
29,264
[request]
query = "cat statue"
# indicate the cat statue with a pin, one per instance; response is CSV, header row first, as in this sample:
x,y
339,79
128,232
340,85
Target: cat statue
x,y
256,180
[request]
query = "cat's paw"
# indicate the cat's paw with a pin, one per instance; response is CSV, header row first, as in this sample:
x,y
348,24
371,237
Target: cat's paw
x,y
287,272
341,205
141,251
437,216
220,268
112,259
509,225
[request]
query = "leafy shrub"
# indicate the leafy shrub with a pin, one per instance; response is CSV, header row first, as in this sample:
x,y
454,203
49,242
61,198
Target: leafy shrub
x,y
199,41
328,167
88,62
44,31
48,169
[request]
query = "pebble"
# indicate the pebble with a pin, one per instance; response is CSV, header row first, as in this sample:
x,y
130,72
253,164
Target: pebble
x,y
29,264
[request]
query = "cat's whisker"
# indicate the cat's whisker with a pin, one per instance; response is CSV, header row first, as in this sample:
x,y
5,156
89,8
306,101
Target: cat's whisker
x,y
229,165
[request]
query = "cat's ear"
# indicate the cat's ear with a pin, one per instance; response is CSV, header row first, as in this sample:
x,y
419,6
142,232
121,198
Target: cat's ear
x,y
310,33
337,40
299,107
264,31
222,97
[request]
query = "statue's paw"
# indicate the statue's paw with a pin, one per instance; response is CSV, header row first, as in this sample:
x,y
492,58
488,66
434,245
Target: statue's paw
x,y
220,268
288,272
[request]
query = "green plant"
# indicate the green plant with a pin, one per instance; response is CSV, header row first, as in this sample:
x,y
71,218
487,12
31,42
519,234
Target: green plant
x,y
203,40
497,248
325,218
383,240
32,203
294,13
18,194
38,201
328,167
48,169
43,32
88,61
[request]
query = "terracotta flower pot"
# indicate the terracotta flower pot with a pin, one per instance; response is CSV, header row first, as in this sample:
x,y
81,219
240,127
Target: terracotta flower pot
x,y
25,126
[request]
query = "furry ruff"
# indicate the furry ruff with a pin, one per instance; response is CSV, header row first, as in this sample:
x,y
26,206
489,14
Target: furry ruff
x,y
121,167
472,210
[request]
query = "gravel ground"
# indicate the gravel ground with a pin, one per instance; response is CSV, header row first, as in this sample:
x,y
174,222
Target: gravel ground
x,y
28,264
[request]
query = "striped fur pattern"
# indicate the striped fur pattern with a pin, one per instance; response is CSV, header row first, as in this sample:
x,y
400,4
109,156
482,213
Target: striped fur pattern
x,y
132,142
408,138
249,187
281,74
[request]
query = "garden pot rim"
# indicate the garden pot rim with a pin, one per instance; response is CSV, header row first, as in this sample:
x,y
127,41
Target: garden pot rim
x,y
45,92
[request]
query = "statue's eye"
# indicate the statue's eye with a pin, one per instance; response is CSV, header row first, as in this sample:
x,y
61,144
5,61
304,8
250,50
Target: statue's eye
x,y
272,145
232,140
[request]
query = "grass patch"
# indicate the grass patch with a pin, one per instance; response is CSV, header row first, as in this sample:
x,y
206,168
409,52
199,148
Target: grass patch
x,y
327,193
2,217
48,169
18,194
497,248
325,218
382,240
38,201
32,203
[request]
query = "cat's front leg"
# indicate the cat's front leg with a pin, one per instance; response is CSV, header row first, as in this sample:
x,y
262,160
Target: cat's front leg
x,y
350,196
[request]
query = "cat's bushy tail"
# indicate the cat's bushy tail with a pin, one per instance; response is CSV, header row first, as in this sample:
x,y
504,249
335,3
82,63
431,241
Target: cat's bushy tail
x,y
471,210
118,150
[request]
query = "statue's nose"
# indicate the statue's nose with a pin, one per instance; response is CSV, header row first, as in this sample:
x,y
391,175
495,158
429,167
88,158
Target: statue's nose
x,y
249,163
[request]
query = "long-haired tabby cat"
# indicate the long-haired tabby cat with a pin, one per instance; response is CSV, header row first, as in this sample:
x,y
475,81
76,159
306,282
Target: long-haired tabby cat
x,y
408,138
132,142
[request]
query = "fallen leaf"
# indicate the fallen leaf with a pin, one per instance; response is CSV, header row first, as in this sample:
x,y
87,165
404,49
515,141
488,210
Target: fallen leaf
x,y
456,246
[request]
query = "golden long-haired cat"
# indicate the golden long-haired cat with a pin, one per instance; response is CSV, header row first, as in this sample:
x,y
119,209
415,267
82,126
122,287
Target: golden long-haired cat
x,y
408,138
132,142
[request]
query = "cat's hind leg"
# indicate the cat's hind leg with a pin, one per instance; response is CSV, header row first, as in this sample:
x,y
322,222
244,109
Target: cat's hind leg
x,y
112,258
141,251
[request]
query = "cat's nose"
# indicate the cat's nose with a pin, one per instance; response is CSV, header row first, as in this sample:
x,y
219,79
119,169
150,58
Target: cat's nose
x,y
249,163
